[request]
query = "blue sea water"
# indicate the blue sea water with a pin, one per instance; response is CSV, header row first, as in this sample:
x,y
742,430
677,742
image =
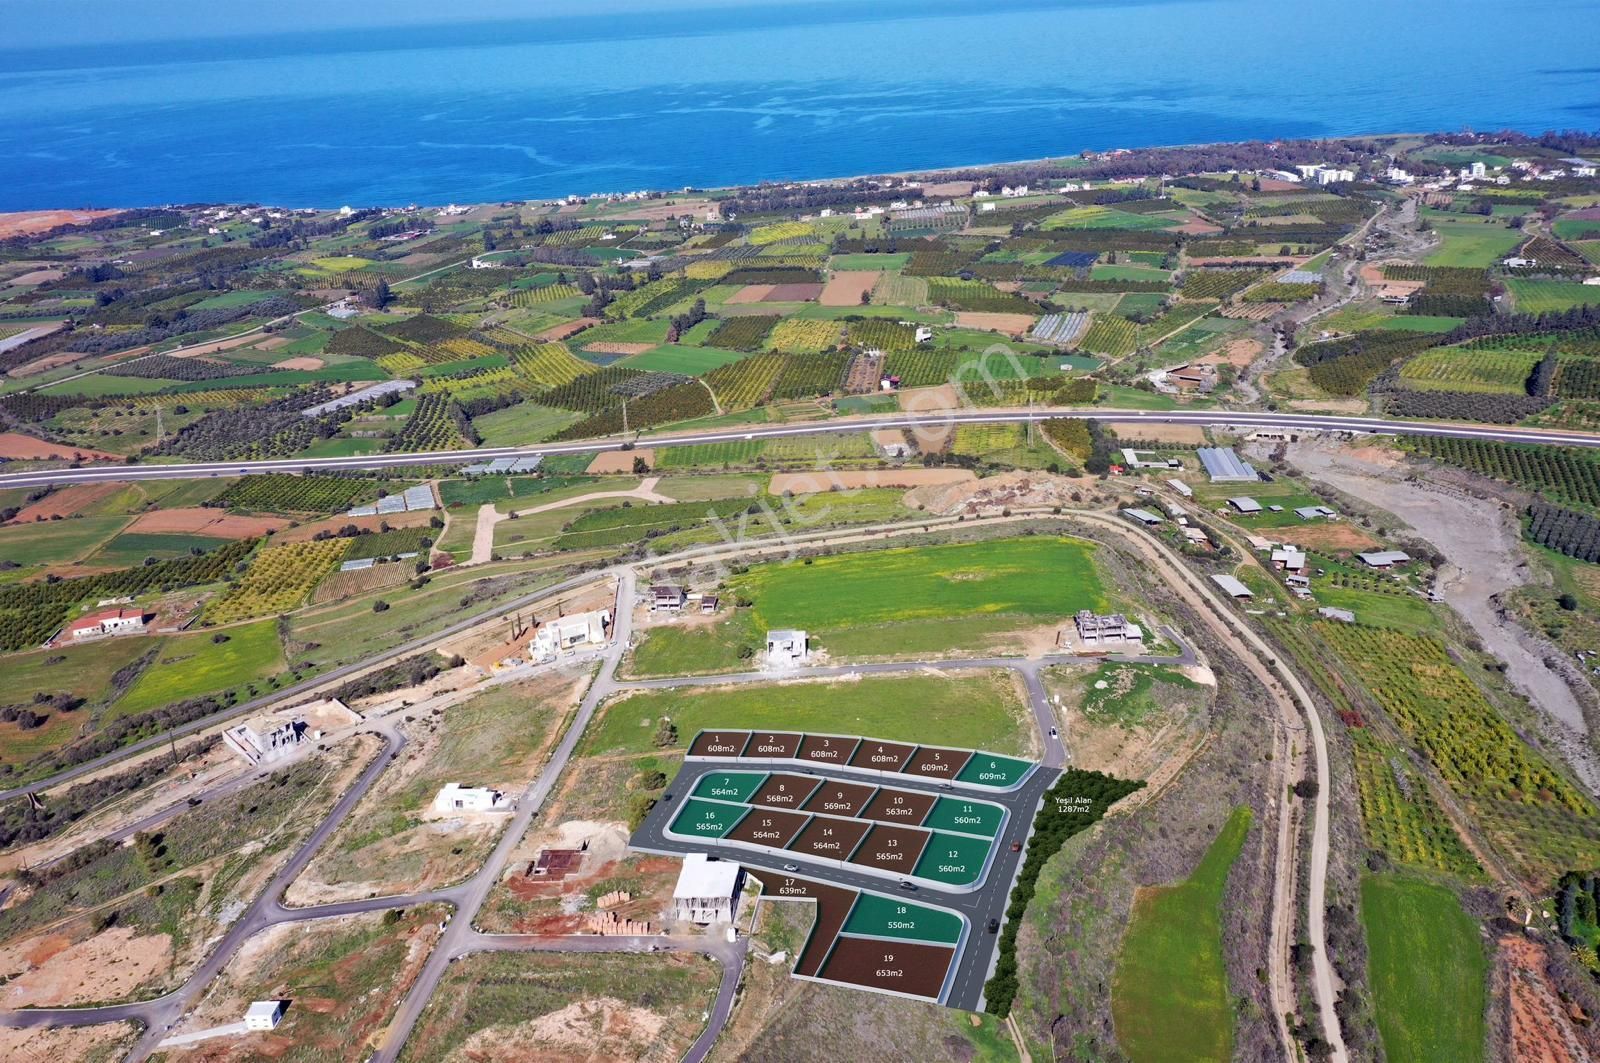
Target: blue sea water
x,y
547,105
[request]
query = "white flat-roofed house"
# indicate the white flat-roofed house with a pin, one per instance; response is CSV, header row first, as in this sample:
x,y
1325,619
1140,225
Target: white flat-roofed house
x,y
786,648
453,797
568,633
707,890
264,1014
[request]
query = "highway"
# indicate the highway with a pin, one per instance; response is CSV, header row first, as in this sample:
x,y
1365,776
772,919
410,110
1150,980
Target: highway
x,y
932,421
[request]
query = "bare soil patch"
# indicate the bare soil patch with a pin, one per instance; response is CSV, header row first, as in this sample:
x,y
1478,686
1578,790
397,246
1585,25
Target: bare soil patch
x,y
272,343
37,276
45,364
1238,353
847,287
20,222
608,347
1164,433
621,460
948,190
810,483
52,971
559,332
1541,1028
1197,226
66,502
68,1044
18,447
792,293
220,345
1330,535
751,293
1013,325
304,361
199,520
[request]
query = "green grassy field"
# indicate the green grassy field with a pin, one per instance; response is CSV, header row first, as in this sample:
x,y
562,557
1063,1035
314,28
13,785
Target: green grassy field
x,y
85,671
1475,242
1537,297
193,665
57,541
1170,999
131,548
523,423
889,601
1427,968
967,711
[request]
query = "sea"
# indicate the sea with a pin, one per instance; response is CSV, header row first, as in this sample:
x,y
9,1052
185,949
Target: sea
x,y
546,105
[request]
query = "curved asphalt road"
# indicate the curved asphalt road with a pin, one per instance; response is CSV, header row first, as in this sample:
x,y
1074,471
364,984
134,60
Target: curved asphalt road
x,y
929,421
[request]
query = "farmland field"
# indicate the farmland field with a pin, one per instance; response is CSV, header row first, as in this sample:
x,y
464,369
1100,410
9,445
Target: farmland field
x,y
966,710
1454,369
1538,297
1399,814
525,422
1109,335
1427,968
1477,242
686,361
1170,998
131,548
890,601
803,336
192,665
278,579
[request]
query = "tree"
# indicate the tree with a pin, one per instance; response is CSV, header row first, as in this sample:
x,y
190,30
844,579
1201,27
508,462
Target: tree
x,y
380,295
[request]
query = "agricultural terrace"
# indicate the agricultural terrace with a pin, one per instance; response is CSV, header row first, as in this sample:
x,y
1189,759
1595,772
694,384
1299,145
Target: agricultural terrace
x,y
1538,819
1170,997
924,598
965,709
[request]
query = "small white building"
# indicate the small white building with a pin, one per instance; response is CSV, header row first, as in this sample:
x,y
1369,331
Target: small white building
x,y
924,333
1289,559
567,633
264,1014
707,890
786,648
108,622
454,797
1182,488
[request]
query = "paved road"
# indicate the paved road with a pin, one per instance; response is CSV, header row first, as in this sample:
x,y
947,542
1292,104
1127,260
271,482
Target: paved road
x,y
979,906
730,954
160,1014
476,890
929,421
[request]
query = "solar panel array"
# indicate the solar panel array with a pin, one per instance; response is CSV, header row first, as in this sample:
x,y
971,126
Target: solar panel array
x,y
1060,328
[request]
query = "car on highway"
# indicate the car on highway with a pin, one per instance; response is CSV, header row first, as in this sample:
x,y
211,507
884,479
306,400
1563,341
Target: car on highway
x,y
994,925
1054,733
1016,847
909,886
667,796
791,867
